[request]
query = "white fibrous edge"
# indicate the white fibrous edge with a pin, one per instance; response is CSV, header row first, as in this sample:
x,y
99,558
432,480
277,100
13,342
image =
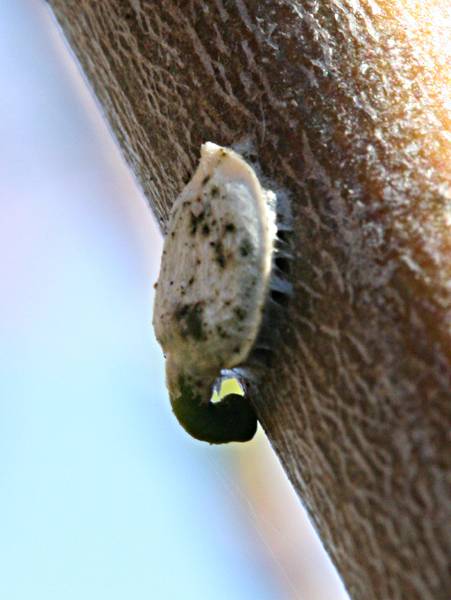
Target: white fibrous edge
x,y
215,270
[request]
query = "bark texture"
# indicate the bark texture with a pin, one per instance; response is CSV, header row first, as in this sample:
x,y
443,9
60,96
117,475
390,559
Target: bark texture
x,y
343,103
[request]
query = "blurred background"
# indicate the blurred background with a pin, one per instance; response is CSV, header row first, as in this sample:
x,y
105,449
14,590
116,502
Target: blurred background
x,y
102,495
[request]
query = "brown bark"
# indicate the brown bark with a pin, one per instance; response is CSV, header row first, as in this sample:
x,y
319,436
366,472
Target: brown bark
x,y
343,102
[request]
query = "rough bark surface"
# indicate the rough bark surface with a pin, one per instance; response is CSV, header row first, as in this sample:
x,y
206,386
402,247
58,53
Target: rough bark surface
x,y
343,102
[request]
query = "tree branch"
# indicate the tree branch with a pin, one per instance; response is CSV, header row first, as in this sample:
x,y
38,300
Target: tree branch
x,y
343,102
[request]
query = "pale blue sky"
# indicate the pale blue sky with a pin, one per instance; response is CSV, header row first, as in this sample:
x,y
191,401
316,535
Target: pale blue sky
x,y
102,496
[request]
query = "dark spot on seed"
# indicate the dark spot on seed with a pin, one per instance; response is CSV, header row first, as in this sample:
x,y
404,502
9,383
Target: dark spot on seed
x,y
230,228
181,311
214,190
240,313
195,221
190,282
246,247
190,317
206,180
219,253
236,349
205,229
221,332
